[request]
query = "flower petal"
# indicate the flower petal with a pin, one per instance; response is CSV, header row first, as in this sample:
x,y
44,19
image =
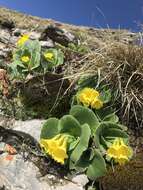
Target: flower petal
x,y
97,103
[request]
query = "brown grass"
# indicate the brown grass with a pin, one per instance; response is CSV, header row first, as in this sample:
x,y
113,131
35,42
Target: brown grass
x,y
127,77
121,66
112,54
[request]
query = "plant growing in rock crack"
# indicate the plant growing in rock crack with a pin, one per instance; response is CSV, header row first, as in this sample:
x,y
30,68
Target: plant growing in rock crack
x,y
52,58
26,58
29,57
84,142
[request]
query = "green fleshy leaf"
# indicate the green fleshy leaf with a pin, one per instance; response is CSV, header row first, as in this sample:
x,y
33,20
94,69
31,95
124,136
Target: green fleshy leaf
x,y
107,131
50,129
113,132
106,96
122,127
87,81
112,118
103,144
85,159
97,167
91,188
58,59
102,113
35,54
83,143
85,115
32,49
73,144
71,165
68,124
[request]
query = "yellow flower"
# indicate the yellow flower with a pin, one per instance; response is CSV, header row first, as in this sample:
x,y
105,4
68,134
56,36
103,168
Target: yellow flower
x,y
90,97
119,151
96,103
84,99
23,39
25,59
49,56
56,147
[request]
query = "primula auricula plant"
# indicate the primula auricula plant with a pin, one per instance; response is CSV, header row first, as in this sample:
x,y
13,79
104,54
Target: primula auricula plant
x,y
90,97
90,136
24,38
119,151
85,142
29,57
56,147
52,58
26,58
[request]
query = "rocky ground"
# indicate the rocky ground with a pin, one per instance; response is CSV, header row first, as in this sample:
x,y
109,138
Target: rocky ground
x,y
20,173
23,170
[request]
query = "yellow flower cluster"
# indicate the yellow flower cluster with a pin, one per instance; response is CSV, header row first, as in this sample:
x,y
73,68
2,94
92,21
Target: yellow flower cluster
x,y
25,59
90,97
56,147
23,39
119,151
49,56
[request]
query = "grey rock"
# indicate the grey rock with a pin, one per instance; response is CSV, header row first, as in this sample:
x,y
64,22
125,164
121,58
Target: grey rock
x,y
4,36
47,44
17,32
77,183
80,179
34,35
70,36
13,40
4,52
58,35
18,174
70,186
32,127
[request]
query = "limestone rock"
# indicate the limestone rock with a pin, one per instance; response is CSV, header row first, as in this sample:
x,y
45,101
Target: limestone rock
x,y
81,179
47,44
18,174
32,127
4,36
58,35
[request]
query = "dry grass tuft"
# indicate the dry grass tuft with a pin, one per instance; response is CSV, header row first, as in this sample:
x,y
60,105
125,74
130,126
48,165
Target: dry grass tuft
x,y
111,54
121,66
127,77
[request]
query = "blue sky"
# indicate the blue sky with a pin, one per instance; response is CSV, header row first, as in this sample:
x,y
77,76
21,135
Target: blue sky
x,y
96,13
